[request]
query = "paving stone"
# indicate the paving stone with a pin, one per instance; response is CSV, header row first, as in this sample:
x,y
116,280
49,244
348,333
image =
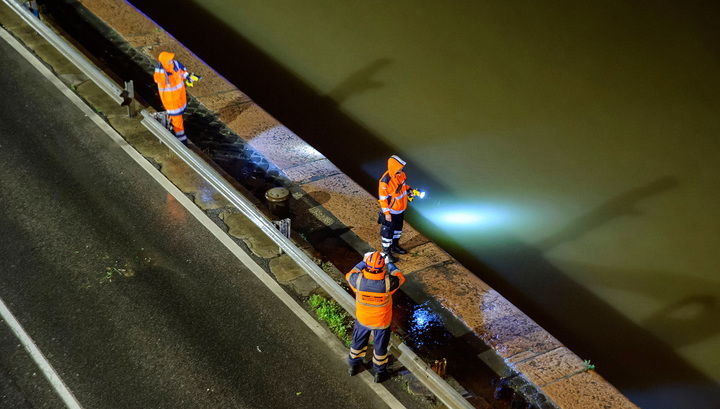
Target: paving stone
x,y
520,357
305,286
208,198
283,148
250,121
128,126
551,366
244,229
147,41
421,257
587,390
179,173
285,269
219,100
211,82
98,98
52,56
451,281
349,202
73,80
312,171
511,333
13,23
146,143
515,334
321,214
121,16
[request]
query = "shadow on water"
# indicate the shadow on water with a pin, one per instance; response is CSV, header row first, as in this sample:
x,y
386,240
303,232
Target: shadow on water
x,y
624,205
641,365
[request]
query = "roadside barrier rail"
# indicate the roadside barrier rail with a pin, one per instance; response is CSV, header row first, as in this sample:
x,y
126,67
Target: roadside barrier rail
x,y
449,396
123,97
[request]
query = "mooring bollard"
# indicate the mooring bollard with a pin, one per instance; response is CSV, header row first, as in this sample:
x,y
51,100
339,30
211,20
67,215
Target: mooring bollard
x,y
278,198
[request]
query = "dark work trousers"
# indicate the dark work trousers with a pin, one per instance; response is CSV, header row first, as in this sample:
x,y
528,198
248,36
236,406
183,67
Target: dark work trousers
x,y
358,348
391,230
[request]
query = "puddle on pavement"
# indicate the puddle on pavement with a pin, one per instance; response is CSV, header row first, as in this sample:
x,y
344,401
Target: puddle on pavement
x,y
424,330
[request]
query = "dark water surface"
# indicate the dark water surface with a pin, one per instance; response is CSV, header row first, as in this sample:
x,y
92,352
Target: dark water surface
x,y
570,151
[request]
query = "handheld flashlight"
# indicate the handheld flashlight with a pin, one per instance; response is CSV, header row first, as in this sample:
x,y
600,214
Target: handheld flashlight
x,y
417,193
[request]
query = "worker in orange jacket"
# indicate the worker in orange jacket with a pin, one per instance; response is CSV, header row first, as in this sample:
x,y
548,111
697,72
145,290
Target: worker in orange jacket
x,y
170,75
393,195
373,282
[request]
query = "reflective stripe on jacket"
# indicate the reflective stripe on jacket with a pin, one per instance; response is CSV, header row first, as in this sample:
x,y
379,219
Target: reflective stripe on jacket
x,y
373,294
392,191
170,76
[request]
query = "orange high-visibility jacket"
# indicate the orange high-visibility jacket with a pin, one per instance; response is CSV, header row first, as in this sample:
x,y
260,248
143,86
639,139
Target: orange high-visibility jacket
x,y
170,76
392,191
373,294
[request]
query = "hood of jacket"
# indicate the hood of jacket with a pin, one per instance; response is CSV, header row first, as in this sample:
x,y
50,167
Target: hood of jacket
x,y
395,164
165,58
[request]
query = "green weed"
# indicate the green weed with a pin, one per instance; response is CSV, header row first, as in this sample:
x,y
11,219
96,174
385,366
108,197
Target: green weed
x,y
326,266
110,271
336,317
588,365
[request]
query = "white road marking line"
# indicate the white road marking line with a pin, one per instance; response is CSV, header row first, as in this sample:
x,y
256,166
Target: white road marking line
x,y
39,358
330,340
14,325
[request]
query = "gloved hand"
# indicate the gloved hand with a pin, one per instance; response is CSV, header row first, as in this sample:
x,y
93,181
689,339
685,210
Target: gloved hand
x,y
191,80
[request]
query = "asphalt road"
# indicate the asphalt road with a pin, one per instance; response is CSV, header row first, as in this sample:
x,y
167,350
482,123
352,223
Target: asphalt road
x,y
130,298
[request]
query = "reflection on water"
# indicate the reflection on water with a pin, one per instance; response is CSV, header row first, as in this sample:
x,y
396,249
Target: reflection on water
x,y
458,216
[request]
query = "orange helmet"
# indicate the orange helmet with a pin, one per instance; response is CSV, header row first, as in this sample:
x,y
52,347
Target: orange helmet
x,y
375,262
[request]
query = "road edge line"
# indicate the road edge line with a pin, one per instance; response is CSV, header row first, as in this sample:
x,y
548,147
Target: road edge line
x,y
37,356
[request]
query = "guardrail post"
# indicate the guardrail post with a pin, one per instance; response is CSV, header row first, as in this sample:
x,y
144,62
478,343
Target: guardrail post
x,y
128,95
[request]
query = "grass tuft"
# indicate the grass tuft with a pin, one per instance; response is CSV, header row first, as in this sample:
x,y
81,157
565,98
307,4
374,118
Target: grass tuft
x,y
339,321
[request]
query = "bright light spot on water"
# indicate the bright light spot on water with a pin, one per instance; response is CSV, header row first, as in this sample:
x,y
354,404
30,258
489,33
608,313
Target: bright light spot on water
x,y
462,217
466,216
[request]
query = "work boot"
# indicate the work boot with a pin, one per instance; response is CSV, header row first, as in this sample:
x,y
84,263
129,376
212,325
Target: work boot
x,y
380,377
396,247
389,258
353,370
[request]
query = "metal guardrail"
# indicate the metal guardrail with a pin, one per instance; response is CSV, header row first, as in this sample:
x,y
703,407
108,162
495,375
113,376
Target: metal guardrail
x,y
123,97
406,356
